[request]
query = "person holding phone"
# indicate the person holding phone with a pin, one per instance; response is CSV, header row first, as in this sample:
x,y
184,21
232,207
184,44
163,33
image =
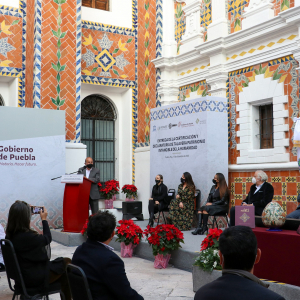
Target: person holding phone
x,y
31,250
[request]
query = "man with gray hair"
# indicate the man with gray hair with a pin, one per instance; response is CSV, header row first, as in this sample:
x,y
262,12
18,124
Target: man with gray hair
x,y
261,193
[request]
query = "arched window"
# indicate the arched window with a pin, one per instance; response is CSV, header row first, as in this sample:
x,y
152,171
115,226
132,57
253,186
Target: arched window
x,y
1,101
98,133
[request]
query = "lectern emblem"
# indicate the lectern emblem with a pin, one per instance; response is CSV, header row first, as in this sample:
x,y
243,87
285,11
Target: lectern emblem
x,y
197,121
244,217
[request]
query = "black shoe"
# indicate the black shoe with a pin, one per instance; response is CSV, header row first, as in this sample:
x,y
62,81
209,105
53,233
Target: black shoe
x,y
2,268
151,222
198,230
204,229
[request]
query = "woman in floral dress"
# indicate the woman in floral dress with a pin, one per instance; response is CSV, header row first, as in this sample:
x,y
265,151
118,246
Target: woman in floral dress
x,y
182,208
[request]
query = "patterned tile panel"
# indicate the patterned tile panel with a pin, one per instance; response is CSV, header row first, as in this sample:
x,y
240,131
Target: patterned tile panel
x,y
200,87
205,16
180,23
285,68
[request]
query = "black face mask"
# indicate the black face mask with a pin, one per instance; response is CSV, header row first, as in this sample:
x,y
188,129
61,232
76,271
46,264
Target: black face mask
x,y
182,180
157,181
214,181
89,166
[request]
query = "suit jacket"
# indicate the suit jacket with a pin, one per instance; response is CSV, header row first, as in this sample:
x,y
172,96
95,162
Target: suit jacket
x,y
261,198
219,205
235,287
105,272
95,177
160,194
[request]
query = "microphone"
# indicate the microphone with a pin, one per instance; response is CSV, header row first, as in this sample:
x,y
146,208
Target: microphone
x,y
84,167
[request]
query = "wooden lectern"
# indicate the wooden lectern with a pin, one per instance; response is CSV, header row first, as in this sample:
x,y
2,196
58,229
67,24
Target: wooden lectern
x,y
76,205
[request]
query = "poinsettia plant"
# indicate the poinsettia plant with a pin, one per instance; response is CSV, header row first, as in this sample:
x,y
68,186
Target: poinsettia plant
x,y
85,226
111,188
209,258
128,232
130,190
164,238
99,186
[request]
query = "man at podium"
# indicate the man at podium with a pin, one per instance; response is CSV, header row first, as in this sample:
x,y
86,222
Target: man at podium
x,y
92,174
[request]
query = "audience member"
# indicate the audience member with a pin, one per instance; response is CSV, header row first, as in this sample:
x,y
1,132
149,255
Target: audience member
x,y
2,236
261,193
182,208
217,203
104,269
31,251
295,214
158,200
238,254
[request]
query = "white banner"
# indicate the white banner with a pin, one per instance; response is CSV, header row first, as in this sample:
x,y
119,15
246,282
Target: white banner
x,y
190,136
27,166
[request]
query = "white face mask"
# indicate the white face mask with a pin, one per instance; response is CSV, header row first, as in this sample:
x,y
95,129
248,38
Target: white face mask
x,y
253,180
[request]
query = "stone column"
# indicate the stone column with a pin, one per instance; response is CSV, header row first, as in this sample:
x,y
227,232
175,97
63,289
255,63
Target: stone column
x,y
219,25
57,60
257,12
193,35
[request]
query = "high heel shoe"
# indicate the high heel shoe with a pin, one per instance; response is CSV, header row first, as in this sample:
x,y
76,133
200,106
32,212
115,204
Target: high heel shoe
x,y
198,230
151,220
204,229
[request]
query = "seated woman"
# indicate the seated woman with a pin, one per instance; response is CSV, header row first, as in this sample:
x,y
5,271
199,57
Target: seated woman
x,y
158,200
31,251
182,208
217,203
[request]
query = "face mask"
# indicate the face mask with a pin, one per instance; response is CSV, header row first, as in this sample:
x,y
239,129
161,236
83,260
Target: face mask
x,y
182,180
253,180
157,181
214,181
89,166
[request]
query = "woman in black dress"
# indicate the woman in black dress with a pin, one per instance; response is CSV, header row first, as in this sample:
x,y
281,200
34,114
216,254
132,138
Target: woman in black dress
x,y
217,203
32,250
158,200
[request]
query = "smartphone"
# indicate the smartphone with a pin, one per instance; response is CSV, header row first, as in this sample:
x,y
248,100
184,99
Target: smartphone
x,y
36,209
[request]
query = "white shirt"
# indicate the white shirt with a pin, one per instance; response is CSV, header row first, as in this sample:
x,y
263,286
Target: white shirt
x,y
258,187
107,246
87,173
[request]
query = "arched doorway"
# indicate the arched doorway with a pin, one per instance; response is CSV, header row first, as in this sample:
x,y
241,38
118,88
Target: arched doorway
x,y
98,133
1,101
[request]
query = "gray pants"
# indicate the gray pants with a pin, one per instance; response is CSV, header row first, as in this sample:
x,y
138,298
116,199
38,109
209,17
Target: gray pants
x,y
94,205
294,215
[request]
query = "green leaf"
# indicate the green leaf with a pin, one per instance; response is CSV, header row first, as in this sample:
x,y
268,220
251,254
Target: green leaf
x,y
54,67
53,100
58,89
116,72
129,41
56,1
95,48
276,76
204,93
55,33
116,50
95,69
58,77
59,21
62,1
59,10
178,47
260,69
147,81
147,25
62,68
58,32
264,70
15,22
62,102
256,72
244,84
146,44
58,43
63,35
147,100
147,62
58,54
58,66
57,100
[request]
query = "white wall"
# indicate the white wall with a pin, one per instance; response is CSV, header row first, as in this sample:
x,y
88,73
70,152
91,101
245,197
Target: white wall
x,y
142,177
121,98
9,90
75,156
120,14
12,3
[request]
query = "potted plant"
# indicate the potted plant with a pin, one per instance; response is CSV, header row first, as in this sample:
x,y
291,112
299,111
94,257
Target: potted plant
x,y
206,264
130,191
163,239
129,234
109,192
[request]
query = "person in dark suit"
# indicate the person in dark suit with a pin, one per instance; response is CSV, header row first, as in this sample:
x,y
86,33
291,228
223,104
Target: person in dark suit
x,y
261,193
296,213
32,250
92,174
159,198
103,268
238,254
217,203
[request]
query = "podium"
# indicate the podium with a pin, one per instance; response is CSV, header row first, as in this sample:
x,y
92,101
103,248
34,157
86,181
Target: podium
x,y
76,205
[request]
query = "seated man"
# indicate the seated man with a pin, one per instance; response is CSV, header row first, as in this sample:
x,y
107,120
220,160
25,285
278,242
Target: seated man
x,y
295,214
238,254
103,268
261,193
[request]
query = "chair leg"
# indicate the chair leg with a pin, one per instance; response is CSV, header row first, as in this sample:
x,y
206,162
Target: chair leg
x,y
227,220
62,295
158,218
164,217
216,220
